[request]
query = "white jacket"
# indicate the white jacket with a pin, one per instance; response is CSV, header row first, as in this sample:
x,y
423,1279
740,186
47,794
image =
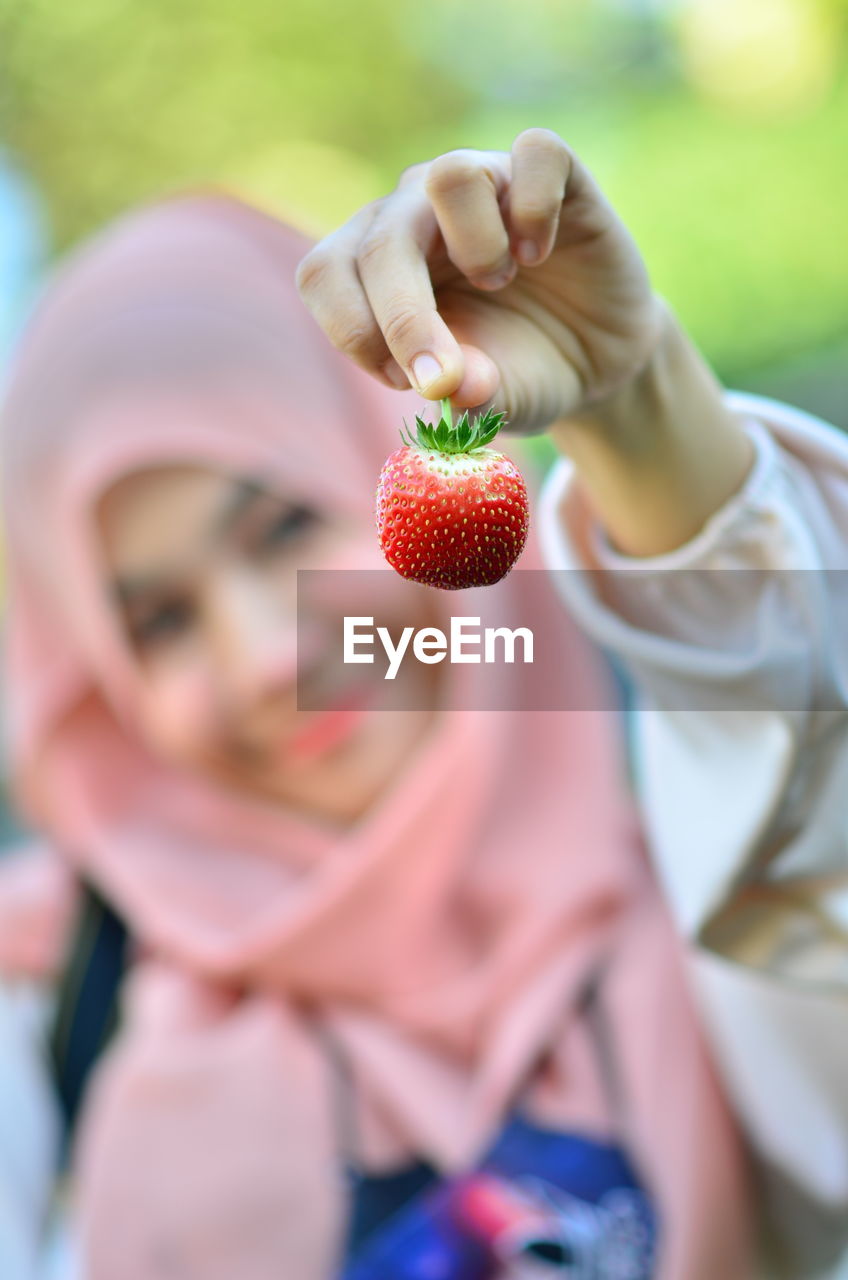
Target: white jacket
x,y
737,644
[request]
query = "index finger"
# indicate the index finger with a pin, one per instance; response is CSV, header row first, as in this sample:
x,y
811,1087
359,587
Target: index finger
x,y
393,268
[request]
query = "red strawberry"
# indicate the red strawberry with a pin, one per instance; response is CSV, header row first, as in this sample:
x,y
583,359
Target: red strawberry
x,y
451,512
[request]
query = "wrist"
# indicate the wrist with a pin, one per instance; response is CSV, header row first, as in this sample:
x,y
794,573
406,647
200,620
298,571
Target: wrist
x,y
659,455
634,418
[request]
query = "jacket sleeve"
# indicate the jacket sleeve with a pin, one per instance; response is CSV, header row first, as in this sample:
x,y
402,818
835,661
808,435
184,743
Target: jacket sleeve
x,y
736,645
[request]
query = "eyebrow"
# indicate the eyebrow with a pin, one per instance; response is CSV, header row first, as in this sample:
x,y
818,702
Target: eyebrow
x,y
244,494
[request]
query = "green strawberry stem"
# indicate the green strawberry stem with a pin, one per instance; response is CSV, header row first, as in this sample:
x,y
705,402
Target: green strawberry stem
x,y
447,412
447,436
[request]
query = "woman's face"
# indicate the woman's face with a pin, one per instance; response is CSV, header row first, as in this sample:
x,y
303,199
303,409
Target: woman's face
x,y
203,571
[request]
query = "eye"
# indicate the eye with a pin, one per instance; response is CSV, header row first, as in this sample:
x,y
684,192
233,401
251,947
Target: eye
x,y
287,527
166,621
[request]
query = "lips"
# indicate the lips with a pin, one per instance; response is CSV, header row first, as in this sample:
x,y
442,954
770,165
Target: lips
x,y
325,730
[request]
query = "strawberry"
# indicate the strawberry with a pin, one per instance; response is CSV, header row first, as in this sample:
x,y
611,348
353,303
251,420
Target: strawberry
x,y
451,512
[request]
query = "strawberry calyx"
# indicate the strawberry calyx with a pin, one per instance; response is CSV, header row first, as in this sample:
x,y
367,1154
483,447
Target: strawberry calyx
x,y
446,436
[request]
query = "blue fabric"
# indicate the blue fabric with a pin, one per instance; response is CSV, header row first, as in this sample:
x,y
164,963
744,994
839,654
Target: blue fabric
x,y
374,1200
605,1225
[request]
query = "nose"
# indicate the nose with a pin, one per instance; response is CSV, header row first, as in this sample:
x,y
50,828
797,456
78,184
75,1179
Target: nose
x,y
255,630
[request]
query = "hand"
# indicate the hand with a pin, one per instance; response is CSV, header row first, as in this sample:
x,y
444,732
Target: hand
x,y
437,272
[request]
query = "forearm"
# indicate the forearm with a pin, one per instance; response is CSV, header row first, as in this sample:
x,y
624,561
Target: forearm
x,y
662,454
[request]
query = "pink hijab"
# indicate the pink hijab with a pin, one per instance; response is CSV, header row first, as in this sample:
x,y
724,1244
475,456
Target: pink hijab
x,y
300,992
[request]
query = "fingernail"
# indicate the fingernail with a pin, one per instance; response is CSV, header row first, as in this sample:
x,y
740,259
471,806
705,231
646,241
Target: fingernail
x,y
425,369
528,252
395,375
499,279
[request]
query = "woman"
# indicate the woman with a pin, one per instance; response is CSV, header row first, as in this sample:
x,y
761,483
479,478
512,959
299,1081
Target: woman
x,y
414,943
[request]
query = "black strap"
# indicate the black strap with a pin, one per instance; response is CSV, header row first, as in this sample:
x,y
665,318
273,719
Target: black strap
x,y
87,1001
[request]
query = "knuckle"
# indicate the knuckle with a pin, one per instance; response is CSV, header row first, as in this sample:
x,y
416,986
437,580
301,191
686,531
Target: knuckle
x,y
541,137
312,271
412,173
450,172
369,214
372,246
400,328
355,339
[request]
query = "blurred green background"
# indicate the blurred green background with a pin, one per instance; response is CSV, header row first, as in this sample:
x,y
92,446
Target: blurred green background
x,y
718,127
